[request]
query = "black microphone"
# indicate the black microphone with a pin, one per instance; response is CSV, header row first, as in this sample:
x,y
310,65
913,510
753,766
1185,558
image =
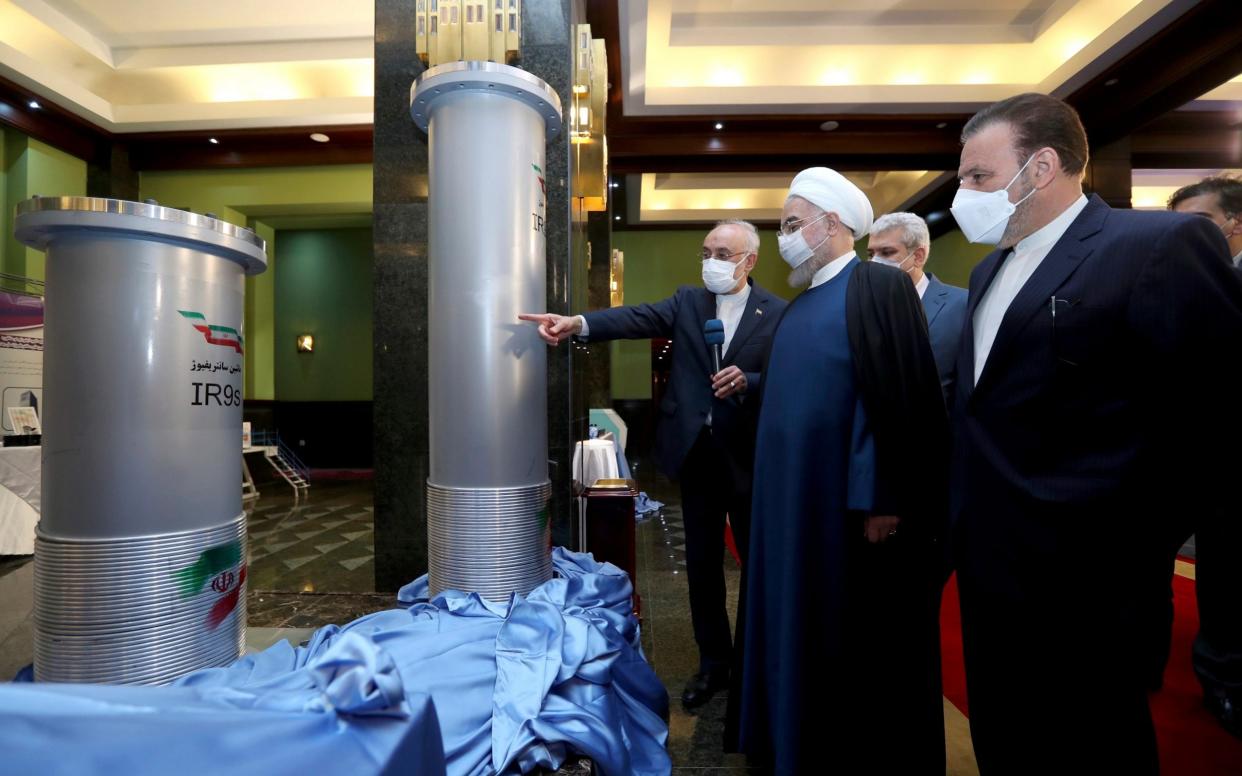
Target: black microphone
x,y
713,334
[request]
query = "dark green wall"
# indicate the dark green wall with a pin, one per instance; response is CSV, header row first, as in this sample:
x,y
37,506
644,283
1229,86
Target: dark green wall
x,y
323,287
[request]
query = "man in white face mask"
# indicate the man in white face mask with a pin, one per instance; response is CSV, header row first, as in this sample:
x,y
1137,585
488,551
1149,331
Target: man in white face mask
x,y
843,583
705,439
1091,337
901,241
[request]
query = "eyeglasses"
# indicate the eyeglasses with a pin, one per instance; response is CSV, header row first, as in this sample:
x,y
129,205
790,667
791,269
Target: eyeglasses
x,y
720,255
789,227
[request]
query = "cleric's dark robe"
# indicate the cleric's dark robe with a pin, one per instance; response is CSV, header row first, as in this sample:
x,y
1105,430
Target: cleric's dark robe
x,y
840,665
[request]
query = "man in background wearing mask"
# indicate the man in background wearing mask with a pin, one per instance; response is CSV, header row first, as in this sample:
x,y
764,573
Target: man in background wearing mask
x,y
1079,431
702,441
841,640
1220,199
901,240
1218,534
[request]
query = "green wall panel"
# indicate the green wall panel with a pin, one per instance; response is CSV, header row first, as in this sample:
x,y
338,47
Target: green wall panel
x,y
323,287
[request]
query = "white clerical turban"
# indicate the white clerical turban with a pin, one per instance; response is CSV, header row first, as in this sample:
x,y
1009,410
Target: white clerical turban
x,y
832,192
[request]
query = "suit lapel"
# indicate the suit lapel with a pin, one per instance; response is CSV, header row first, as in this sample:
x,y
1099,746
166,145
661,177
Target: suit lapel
x,y
988,268
1036,294
933,299
751,317
705,307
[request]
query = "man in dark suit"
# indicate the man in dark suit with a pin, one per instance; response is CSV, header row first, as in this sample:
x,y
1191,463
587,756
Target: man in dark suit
x,y
1218,533
901,240
702,440
1091,338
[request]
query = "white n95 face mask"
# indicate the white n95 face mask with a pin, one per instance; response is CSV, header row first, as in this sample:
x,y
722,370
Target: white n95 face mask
x,y
793,247
983,215
718,275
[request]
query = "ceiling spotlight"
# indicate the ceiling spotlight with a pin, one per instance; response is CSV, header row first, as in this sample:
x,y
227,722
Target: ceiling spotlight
x,y
616,218
942,125
319,137
614,184
719,125
213,141
828,126
34,105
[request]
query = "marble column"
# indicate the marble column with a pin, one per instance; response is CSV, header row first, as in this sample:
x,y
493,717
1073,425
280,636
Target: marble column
x,y
401,281
546,41
400,305
597,369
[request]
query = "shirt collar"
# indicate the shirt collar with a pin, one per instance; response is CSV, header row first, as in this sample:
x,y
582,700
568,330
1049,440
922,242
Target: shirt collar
x,y
831,269
922,285
1047,237
735,299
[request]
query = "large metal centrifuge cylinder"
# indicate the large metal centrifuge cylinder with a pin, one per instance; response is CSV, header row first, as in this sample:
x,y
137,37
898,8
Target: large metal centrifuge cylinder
x,y
487,127
140,554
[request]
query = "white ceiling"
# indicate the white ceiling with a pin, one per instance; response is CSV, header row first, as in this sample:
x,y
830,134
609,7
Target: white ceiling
x,y
141,65
725,57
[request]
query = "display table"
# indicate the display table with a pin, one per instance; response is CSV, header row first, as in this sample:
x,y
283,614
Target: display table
x,y
20,475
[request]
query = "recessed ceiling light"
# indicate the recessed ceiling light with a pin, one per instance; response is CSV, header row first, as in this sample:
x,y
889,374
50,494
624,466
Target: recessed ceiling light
x,y
614,184
828,126
213,141
942,125
616,218
319,137
719,125
34,105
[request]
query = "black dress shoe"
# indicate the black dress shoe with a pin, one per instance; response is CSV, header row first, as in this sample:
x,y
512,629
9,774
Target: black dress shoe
x,y
1226,709
702,686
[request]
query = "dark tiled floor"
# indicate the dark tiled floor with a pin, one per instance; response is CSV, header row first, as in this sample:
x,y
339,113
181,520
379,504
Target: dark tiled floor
x,y
322,542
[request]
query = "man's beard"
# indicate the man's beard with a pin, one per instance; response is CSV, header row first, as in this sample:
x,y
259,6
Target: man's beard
x,y
802,274
1016,229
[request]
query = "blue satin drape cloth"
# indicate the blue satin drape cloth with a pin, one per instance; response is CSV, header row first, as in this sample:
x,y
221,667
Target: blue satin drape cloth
x,y
498,688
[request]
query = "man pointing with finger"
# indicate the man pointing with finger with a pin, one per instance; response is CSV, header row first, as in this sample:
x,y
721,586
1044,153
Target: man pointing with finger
x,y
702,440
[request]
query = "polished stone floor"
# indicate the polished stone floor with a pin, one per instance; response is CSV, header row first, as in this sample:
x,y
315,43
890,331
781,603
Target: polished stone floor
x,y
312,564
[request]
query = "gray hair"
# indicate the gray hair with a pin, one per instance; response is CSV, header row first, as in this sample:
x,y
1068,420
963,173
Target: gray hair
x,y
913,230
752,234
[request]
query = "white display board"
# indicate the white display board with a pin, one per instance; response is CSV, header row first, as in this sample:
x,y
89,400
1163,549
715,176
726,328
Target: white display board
x,y
21,355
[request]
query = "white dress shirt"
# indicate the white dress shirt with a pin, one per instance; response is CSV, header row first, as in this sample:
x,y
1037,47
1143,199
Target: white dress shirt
x,y
831,269
1237,260
729,309
1015,270
922,285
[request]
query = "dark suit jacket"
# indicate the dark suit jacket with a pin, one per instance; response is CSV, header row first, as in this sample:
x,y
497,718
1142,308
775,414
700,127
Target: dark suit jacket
x,y
1100,399
684,407
945,307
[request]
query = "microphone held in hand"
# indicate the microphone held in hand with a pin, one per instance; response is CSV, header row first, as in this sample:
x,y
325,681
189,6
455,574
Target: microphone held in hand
x,y
714,336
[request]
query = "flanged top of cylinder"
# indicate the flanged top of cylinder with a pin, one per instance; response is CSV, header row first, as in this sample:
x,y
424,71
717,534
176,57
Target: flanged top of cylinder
x,y
41,219
490,77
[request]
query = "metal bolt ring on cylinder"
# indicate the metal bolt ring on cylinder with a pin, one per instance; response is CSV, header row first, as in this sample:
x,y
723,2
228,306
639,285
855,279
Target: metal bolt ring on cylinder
x,y
140,553
487,520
